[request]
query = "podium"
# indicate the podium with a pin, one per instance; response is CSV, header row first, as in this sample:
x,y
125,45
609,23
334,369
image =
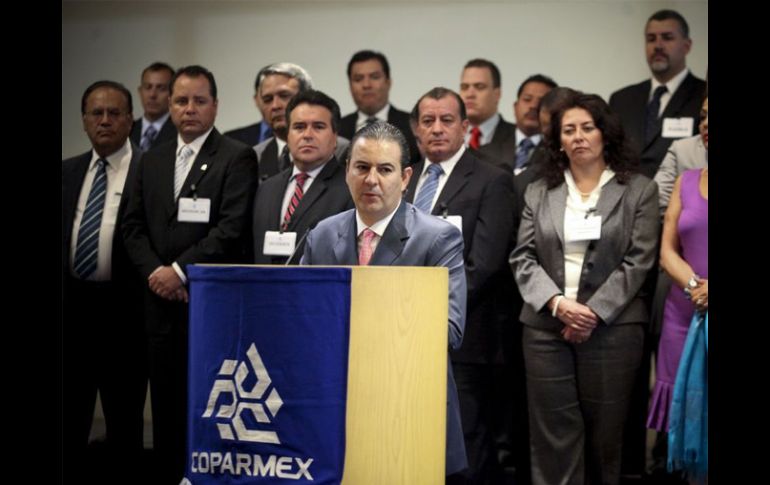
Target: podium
x,y
379,381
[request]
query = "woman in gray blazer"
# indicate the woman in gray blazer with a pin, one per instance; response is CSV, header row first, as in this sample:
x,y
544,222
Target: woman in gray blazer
x,y
586,242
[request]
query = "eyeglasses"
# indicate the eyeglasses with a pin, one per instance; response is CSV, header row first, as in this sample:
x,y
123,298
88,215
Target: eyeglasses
x,y
112,114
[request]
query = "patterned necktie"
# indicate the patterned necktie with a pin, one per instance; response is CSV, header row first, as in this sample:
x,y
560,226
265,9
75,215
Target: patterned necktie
x,y
522,153
365,255
428,189
86,252
149,135
475,141
652,124
300,178
284,159
180,170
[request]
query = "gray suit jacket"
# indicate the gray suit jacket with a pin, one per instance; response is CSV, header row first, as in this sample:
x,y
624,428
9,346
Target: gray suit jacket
x,y
684,154
411,239
615,266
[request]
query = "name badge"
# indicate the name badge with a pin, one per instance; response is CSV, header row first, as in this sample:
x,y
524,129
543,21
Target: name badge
x,y
587,229
279,244
194,210
677,127
456,221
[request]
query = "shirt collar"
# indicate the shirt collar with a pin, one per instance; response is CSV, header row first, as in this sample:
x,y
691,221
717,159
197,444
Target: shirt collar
x,y
379,226
158,124
672,85
311,173
487,127
447,165
196,144
520,136
114,159
381,115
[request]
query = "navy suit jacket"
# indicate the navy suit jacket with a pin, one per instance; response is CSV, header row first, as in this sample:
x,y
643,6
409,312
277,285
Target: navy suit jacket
x,y
397,118
328,195
482,195
167,132
411,239
630,103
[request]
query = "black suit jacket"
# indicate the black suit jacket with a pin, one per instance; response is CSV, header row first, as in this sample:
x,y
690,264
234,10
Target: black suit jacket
x,y
73,173
630,103
482,194
501,151
327,196
225,171
397,118
167,132
248,134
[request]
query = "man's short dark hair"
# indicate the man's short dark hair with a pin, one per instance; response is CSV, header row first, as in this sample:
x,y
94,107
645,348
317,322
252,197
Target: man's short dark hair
x,y
158,66
536,78
287,69
106,84
381,131
438,93
367,55
195,71
315,98
554,98
483,63
665,14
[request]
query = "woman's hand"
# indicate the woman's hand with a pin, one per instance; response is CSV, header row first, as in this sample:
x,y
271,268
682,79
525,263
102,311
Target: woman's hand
x,y
700,295
576,315
575,336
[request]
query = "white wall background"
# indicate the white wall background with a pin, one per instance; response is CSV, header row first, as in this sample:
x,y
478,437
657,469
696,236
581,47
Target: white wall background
x,y
595,46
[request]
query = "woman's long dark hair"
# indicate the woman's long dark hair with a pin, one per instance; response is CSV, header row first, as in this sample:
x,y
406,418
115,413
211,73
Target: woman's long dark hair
x,y
617,154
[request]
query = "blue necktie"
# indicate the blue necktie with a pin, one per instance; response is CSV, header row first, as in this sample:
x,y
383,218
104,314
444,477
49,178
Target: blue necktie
x,y
652,125
149,135
428,189
522,153
86,252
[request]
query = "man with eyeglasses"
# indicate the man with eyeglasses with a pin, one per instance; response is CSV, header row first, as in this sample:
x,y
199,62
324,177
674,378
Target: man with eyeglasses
x,y
102,322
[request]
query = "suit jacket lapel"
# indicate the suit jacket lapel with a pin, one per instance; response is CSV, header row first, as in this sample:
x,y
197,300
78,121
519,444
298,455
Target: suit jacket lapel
x,y
74,185
202,163
609,198
679,98
557,203
460,176
393,239
345,249
412,187
315,191
133,167
165,172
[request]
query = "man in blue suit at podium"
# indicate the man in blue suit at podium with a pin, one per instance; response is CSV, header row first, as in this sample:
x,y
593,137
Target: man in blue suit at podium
x,y
383,230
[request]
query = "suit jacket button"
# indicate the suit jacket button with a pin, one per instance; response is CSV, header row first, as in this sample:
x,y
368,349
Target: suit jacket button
x,y
591,246
589,265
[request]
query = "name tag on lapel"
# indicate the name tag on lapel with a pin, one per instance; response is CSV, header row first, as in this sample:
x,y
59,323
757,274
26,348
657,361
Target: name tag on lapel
x,y
677,127
279,243
587,229
194,210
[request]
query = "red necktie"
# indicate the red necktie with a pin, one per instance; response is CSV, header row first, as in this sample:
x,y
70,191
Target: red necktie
x,y
475,138
366,247
300,178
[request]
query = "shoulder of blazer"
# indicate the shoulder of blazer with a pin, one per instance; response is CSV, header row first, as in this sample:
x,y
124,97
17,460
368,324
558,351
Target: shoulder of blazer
x,y
348,125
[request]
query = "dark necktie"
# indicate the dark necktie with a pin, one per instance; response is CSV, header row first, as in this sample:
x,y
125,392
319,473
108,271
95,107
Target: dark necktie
x,y
522,153
300,178
652,123
147,138
475,141
428,189
87,250
284,160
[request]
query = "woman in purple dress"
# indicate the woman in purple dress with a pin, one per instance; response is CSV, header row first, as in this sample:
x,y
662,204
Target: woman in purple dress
x,y
684,256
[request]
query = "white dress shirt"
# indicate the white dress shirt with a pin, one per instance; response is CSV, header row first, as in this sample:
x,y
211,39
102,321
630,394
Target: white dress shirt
x,y
447,166
672,85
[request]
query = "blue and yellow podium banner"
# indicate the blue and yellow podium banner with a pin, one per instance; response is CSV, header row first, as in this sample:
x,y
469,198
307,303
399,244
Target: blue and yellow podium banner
x,y
268,366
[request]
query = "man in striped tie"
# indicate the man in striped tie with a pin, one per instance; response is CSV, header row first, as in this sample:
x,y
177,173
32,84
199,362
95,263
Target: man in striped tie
x,y
103,332
311,189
